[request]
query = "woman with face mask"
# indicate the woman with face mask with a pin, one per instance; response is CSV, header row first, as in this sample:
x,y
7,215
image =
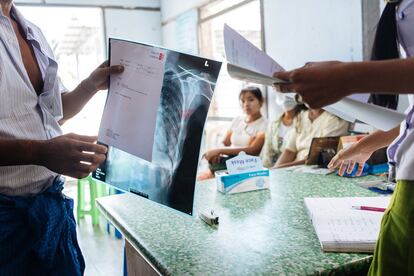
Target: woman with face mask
x,y
278,130
312,123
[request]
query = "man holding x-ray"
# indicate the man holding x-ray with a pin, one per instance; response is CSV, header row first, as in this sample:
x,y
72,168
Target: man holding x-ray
x,y
37,228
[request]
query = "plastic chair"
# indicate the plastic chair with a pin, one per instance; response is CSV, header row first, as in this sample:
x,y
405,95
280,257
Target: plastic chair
x,y
89,208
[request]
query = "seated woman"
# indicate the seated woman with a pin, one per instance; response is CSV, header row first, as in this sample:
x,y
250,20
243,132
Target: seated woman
x,y
246,132
311,123
278,131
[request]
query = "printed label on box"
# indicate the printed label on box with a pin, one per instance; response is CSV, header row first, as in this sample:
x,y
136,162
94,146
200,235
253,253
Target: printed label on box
x,y
244,163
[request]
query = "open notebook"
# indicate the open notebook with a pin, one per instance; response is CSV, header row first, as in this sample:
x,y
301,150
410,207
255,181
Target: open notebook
x,y
340,228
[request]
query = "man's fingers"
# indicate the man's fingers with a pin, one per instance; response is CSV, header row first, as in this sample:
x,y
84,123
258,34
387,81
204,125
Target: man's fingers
x,y
86,143
360,169
351,167
90,147
285,87
83,170
284,75
116,69
83,138
94,159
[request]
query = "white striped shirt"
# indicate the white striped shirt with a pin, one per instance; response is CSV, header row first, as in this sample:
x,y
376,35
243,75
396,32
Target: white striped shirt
x,y
401,151
24,114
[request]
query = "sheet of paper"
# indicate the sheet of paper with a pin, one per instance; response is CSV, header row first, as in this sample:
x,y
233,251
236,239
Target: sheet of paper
x,y
129,118
240,73
241,52
338,225
374,115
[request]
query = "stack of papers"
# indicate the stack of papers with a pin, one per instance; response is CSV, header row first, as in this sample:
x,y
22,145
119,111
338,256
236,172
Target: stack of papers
x,y
340,228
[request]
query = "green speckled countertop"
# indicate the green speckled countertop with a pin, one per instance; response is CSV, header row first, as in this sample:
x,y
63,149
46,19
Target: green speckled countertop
x,y
262,232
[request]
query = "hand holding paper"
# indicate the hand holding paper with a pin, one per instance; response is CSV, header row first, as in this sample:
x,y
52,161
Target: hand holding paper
x,y
321,84
98,79
318,83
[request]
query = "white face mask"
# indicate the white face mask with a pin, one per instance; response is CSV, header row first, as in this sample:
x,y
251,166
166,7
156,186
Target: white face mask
x,y
286,103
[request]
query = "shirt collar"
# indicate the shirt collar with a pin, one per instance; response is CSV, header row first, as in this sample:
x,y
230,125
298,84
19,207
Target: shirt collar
x,y
15,13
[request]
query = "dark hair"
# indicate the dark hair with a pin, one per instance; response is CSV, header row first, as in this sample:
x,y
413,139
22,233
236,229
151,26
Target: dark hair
x,y
386,47
257,93
299,108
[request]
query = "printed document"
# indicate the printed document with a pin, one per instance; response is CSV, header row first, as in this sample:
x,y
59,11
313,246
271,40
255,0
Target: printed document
x,y
241,52
129,119
340,228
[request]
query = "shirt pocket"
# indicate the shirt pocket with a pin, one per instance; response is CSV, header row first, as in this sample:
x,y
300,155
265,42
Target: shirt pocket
x,y
51,102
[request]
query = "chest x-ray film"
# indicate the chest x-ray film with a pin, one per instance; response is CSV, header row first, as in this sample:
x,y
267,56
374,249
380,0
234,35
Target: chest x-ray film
x,y
153,122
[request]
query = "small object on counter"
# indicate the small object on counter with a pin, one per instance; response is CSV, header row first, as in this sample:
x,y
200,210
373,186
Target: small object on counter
x,y
209,217
369,208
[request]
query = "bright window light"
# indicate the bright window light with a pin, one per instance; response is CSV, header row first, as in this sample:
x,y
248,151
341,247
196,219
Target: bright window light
x,y
77,38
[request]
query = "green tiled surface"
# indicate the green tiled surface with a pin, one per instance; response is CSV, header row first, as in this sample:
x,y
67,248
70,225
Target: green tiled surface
x,y
264,232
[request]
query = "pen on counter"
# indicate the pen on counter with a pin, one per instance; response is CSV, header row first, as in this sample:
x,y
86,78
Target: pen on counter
x,y
369,208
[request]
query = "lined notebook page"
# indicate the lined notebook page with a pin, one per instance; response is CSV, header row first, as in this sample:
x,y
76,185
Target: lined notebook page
x,y
341,228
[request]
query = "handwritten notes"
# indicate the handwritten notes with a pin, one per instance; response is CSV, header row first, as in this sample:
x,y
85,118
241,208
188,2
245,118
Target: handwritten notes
x,y
340,228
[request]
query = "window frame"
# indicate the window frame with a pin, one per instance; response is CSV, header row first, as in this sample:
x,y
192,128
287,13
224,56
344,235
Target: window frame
x,y
262,42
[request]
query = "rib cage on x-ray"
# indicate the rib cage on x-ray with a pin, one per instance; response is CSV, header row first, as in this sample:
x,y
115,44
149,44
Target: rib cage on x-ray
x,y
180,93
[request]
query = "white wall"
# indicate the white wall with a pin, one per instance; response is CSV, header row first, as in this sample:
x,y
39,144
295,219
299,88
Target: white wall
x,y
169,38
170,10
298,31
173,8
137,25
